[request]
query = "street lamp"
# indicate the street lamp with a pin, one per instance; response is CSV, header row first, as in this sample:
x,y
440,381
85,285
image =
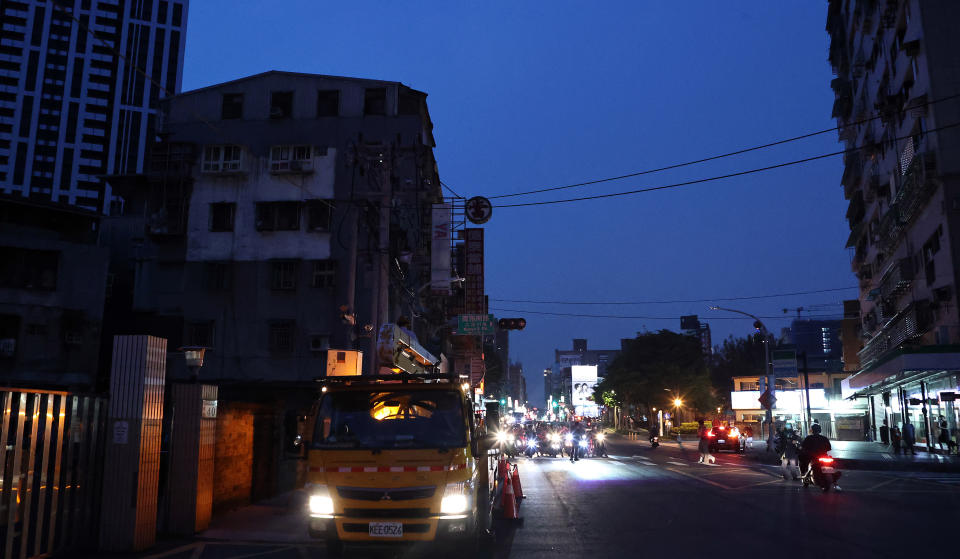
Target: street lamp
x,y
768,368
193,355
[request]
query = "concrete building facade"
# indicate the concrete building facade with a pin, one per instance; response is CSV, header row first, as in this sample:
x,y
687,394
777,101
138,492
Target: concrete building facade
x,y
897,81
79,86
53,280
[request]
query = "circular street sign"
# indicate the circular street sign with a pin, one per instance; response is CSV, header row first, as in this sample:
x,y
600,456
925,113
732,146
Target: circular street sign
x,y
479,210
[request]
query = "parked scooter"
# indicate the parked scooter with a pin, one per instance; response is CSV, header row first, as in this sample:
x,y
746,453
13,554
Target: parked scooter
x,y
822,472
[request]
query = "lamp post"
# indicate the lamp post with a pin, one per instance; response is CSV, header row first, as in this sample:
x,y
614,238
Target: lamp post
x,y
768,366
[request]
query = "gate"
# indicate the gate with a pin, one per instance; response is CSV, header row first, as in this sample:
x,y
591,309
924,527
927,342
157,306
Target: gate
x,y
50,460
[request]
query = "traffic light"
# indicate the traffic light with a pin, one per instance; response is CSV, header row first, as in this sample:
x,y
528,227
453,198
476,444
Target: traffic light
x,y
512,323
503,401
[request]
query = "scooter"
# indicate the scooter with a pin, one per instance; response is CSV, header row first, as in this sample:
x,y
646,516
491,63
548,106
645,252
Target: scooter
x,y
822,472
599,445
550,445
530,446
654,441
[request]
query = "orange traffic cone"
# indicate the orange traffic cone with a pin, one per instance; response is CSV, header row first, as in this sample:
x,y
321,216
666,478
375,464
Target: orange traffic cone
x,y
517,488
509,501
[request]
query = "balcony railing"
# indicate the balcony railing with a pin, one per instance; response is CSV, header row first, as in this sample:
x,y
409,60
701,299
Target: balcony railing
x,y
897,279
917,186
908,324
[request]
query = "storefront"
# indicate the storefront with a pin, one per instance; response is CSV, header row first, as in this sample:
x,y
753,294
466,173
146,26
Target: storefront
x,y
919,385
840,419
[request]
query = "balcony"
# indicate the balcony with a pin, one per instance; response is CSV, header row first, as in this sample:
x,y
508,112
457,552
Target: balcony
x,y
856,234
897,279
855,210
917,185
907,325
852,172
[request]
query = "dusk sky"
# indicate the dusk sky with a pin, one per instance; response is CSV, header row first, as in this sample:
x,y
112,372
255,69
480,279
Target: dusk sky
x,y
527,95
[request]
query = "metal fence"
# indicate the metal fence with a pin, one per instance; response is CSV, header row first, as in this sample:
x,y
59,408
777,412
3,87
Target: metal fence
x,y
50,464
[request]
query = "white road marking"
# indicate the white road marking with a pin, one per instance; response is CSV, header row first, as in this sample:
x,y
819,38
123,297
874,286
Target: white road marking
x,y
677,463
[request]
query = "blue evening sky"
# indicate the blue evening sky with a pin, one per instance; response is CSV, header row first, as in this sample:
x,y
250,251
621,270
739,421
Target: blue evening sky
x,y
526,95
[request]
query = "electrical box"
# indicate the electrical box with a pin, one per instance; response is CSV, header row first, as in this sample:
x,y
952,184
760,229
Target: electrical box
x,y
344,363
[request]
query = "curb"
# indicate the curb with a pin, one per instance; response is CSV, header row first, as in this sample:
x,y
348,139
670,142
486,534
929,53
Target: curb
x,y
870,465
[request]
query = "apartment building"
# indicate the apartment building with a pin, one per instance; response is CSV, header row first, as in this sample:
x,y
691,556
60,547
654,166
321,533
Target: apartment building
x,y
897,78
79,86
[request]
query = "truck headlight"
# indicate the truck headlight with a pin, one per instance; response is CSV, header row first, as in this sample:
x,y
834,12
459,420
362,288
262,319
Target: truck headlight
x,y
456,499
320,502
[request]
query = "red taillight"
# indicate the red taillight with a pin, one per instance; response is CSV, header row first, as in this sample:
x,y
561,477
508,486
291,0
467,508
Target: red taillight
x,y
826,460
709,435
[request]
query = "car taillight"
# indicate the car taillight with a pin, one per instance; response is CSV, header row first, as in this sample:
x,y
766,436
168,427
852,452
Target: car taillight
x,y
709,435
826,460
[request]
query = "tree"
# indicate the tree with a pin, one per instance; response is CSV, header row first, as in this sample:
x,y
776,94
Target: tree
x,y
655,363
736,357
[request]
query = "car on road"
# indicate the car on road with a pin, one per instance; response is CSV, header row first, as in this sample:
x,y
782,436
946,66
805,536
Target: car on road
x,y
726,438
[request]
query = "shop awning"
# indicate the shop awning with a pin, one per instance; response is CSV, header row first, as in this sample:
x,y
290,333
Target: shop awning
x,y
901,366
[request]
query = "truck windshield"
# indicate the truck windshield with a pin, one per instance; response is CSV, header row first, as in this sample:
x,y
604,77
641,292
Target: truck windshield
x,y
388,419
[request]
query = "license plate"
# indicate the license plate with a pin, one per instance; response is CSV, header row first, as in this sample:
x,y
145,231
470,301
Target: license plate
x,y
827,470
721,441
386,529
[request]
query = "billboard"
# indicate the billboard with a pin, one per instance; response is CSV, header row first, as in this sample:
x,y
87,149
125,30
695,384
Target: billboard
x,y
584,379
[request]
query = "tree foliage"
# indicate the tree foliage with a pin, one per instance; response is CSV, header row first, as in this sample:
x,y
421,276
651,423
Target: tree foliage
x,y
654,366
735,358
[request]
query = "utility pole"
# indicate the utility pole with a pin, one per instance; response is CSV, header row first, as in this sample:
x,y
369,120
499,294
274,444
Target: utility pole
x,y
768,368
806,389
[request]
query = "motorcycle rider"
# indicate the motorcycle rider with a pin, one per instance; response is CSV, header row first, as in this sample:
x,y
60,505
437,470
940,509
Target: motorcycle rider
x,y
578,435
814,445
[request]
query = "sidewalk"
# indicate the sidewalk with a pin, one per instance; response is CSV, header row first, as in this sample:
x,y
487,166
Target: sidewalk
x,y
281,519
862,455
852,455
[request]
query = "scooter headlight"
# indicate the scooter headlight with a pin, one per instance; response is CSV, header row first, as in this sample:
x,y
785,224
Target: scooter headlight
x,y
569,438
600,437
501,437
532,443
583,443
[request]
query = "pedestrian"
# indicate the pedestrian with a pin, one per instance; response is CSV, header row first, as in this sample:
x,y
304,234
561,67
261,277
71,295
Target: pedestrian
x,y
944,438
791,453
748,433
909,437
704,444
895,439
885,433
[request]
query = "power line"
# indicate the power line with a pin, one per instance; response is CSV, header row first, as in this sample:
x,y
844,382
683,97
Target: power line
x,y
714,157
637,317
664,302
711,179
451,190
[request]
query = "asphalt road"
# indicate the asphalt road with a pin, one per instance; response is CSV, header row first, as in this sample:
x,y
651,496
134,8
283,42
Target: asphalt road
x,y
662,503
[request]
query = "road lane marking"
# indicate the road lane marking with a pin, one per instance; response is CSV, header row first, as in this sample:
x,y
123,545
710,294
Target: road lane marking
x,y
698,478
882,483
676,463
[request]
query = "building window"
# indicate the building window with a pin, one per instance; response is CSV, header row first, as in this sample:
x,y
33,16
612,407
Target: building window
x,y
217,276
290,158
199,334
278,216
324,274
328,102
283,275
319,215
375,101
408,102
221,159
232,106
221,216
28,269
280,337
281,104
319,342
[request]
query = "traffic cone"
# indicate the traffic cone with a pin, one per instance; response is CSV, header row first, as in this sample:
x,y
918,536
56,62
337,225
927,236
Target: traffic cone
x,y
517,488
509,501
